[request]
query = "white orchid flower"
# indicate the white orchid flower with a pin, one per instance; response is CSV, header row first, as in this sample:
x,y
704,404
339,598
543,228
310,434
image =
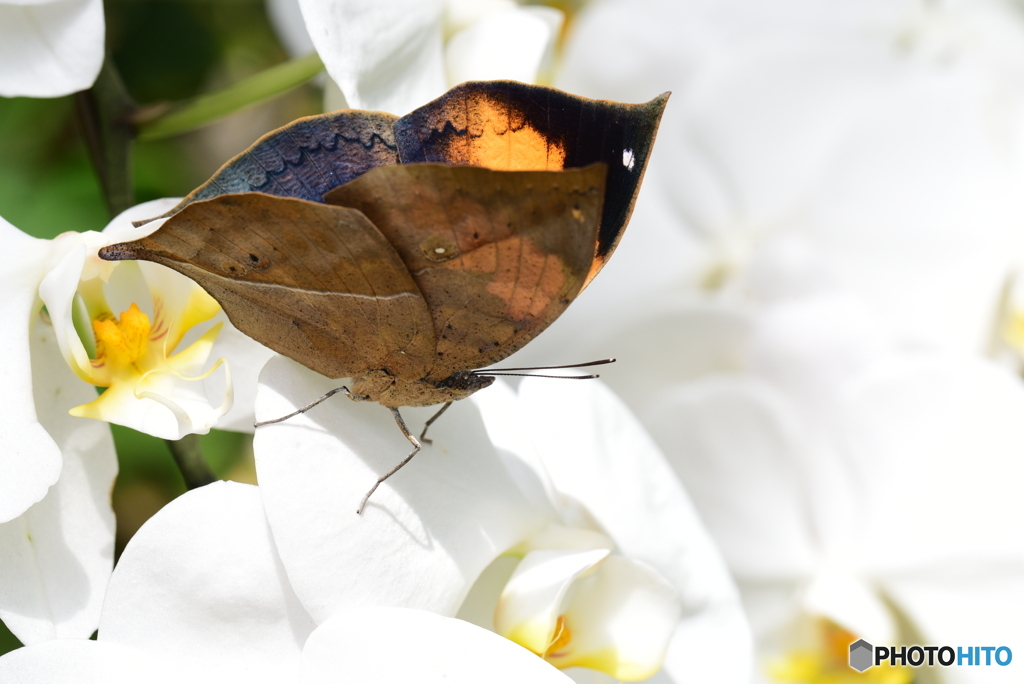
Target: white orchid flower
x,y
56,556
871,145
563,516
191,601
396,55
49,48
57,469
886,134
140,324
858,488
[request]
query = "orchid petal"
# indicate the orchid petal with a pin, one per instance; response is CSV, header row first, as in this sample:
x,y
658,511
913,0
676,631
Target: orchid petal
x,y
201,582
173,292
80,661
122,228
503,417
56,558
162,403
929,235
245,357
622,617
50,49
951,427
509,44
966,605
850,601
533,599
57,290
739,446
812,345
384,56
286,18
460,14
402,645
674,345
434,515
188,363
30,460
597,454
812,349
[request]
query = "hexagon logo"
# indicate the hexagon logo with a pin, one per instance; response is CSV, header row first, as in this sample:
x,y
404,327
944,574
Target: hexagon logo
x,y
861,655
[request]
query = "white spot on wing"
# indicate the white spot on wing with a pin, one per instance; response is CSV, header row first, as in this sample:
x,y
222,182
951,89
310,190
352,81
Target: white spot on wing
x,y
628,160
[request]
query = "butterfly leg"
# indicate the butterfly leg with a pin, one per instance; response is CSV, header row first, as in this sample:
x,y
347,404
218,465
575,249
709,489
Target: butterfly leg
x,y
415,450
311,405
423,435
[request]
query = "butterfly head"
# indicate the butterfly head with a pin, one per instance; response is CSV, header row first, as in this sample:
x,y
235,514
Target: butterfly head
x,y
465,382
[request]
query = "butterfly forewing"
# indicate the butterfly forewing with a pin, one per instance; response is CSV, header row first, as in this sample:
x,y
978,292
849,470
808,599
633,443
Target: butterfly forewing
x,y
317,283
497,255
306,158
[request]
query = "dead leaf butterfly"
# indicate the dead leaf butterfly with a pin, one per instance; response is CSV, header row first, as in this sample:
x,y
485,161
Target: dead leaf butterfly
x,y
409,252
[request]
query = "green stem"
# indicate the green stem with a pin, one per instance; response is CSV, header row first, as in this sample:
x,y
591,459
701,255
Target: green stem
x,y
248,92
103,113
188,455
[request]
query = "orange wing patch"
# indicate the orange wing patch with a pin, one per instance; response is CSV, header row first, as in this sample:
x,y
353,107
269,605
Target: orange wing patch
x,y
525,277
499,137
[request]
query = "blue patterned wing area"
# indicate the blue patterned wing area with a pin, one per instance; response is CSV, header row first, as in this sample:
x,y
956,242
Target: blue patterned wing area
x,y
306,158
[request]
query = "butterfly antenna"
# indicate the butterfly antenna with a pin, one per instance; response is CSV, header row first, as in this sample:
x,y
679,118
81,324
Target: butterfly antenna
x,y
513,372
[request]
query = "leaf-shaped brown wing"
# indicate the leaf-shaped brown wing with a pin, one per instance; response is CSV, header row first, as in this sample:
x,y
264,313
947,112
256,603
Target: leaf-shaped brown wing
x,y
306,158
317,283
514,126
498,255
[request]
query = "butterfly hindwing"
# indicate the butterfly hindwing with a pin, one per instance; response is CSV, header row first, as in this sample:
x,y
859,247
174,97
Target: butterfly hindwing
x,y
497,255
333,295
519,127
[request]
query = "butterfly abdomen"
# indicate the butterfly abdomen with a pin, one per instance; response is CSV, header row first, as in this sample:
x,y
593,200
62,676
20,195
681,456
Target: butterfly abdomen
x,y
387,390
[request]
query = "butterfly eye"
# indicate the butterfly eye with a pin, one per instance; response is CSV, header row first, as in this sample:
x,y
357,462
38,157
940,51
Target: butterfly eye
x,y
439,248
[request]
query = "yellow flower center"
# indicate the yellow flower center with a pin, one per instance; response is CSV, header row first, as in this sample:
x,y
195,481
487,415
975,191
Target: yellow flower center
x,y
828,662
121,342
562,637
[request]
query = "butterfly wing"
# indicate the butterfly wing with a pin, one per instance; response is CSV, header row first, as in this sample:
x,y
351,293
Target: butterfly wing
x,y
497,255
514,126
306,158
335,295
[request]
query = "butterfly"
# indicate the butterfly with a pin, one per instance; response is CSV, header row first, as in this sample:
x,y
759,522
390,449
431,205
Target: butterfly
x,y
409,252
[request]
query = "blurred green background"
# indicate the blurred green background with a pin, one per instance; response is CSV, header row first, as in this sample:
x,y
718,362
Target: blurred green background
x,y
166,51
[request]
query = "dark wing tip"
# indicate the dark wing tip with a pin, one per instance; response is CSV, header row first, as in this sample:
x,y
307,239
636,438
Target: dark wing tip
x,y
124,251
139,224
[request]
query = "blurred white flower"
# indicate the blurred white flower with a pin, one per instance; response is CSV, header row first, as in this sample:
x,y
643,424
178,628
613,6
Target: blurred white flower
x,y
49,48
56,469
395,55
888,134
858,488
562,478
829,218
201,602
